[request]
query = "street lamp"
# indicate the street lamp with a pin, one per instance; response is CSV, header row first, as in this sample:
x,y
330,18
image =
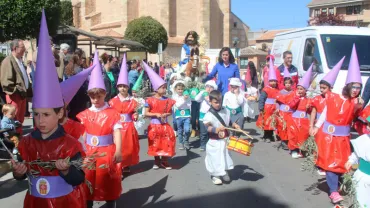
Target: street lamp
x,y
235,44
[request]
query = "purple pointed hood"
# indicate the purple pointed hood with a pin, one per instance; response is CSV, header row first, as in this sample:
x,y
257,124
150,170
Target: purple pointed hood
x,y
272,73
73,84
286,73
354,73
96,78
305,81
46,89
155,79
123,74
333,74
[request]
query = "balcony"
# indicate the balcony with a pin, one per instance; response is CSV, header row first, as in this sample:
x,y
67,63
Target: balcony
x,y
365,16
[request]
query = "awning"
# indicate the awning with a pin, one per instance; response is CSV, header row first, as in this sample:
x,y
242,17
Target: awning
x,y
108,41
76,31
100,40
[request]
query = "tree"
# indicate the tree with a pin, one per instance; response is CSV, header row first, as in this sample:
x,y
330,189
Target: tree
x,y
66,16
148,32
330,20
21,18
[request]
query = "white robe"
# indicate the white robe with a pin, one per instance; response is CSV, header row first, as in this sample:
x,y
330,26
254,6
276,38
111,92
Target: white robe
x,y
217,155
361,147
250,107
141,124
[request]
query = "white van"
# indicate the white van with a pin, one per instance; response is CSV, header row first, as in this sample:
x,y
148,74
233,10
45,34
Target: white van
x,y
324,45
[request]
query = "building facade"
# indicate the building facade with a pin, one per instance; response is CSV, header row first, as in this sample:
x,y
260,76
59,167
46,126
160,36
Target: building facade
x,y
352,10
213,19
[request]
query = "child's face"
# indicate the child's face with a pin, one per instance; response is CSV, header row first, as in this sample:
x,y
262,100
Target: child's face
x,y
123,89
216,104
273,83
355,91
301,91
288,85
162,90
324,89
209,88
46,120
10,114
98,100
134,94
179,90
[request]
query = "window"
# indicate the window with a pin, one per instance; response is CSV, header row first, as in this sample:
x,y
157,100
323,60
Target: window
x,y
235,24
331,11
349,10
324,11
311,55
337,46
317,12
244,63
357,9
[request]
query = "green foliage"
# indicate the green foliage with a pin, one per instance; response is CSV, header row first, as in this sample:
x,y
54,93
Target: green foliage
x,y
148,32
21,18
2,57
66,16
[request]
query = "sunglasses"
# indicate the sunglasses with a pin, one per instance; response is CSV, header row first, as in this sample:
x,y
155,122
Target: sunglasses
x,y
356,88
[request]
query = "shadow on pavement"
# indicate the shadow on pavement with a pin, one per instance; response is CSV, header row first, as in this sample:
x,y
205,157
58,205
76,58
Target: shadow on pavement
x,y
245,173
11,186
149,198
176,163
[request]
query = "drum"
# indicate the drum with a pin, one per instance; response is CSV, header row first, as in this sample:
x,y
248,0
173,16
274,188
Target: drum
x,y
241,146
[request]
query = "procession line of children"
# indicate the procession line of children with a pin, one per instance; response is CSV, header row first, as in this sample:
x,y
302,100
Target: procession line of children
x,y
328,117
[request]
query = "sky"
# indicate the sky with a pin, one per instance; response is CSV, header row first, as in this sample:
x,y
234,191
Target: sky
x,y
271,14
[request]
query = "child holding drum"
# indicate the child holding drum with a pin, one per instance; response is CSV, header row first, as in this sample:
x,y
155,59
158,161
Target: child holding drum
x,y
218,159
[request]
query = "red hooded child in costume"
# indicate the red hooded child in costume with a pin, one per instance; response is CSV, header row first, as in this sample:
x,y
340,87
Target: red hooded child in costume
x,y
59,187
161,137
126,107
103,136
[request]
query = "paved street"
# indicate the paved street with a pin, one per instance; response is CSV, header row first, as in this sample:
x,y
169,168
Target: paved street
x,y
268,178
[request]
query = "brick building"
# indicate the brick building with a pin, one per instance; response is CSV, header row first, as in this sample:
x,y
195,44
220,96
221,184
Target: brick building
x,y
213,19
352,10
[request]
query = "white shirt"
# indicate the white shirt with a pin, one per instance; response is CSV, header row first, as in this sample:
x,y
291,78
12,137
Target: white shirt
x,y
118,125
181,102
23,70
252,91
204,106
232,101
122,99
209,118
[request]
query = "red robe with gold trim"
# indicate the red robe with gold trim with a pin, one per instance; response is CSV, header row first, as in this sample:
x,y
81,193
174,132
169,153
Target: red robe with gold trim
x,y
130,138
298,128
283,99
32,149
161,137
319,103
263,120
333,151
106,182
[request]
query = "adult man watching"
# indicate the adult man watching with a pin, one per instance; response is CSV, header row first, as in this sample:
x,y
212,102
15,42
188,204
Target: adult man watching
x,y
288,58
14,80
64,48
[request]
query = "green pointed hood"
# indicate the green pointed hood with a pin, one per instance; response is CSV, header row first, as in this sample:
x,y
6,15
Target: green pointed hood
x,y
139,81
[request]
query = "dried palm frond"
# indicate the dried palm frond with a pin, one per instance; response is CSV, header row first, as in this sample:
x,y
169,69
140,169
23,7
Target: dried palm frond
x,y
145,90
194,84
274,119
309,162
348,186
88,163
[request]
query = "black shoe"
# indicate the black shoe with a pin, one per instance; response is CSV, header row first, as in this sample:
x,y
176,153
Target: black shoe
x,y
226,178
